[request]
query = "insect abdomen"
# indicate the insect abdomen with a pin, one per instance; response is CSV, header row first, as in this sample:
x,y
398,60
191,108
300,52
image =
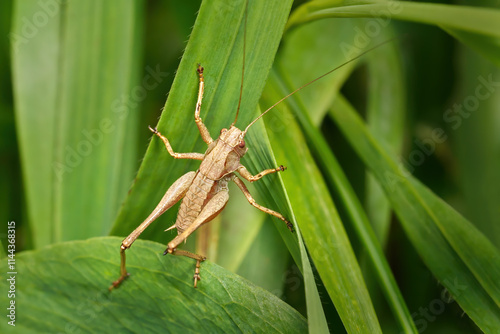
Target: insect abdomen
x,y
198,194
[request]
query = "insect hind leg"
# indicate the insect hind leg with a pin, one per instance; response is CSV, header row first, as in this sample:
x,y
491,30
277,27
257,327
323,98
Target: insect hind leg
x,y
197,257
176,191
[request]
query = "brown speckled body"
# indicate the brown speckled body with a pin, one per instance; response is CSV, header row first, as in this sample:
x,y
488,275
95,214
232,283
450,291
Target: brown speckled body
x,y
204,193
221,159
198,195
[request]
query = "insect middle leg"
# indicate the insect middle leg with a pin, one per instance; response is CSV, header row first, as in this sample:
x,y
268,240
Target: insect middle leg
x,y
194,156
176,191
211,209
251,200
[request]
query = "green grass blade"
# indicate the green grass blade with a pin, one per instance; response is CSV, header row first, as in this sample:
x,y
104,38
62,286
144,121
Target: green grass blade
x,y
336,178
486,46
10,175
65,287
478,28
241,225
276,194
318,220
484,21
72,111
2,249
461,258
308,52
478,164
386,120
266,261
35,111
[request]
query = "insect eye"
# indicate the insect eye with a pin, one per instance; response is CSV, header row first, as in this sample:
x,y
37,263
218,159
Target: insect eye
x,y
241,144
222,131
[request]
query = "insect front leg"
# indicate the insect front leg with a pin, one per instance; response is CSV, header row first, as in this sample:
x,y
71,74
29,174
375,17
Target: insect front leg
x,y
176,191
205,135
249,177
194,156
211,209
251,200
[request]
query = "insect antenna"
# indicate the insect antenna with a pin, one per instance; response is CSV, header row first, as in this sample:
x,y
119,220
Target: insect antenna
x,y
310,82
243,66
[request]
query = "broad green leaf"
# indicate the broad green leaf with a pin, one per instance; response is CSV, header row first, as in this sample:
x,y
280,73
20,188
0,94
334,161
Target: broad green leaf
x,y
75,77
318,220
460,257
64,288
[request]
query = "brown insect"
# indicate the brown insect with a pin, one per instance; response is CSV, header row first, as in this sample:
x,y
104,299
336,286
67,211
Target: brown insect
x,y
204,193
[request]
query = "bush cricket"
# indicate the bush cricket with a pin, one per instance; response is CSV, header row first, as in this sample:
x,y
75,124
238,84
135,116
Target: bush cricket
x,y
204,192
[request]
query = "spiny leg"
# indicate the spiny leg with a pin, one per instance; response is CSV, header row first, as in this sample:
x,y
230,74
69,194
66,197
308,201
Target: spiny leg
x,y
249,177
251,200
194,156
176,191
205,135
211,209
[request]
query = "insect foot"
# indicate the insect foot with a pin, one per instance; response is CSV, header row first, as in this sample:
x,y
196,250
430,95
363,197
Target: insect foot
x,y
153,130
119,281
200,70
168,251
196,275
198,258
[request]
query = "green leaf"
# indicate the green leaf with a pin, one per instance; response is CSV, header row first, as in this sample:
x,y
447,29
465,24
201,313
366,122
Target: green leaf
x,y
318,219
241,224
317,43
386,119
460,257
479,165
64,287
2,250
272,193
485,21
269,254
486,46
478,28
73,112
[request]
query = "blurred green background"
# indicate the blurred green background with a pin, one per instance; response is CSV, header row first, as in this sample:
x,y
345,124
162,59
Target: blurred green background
x,y
430,69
